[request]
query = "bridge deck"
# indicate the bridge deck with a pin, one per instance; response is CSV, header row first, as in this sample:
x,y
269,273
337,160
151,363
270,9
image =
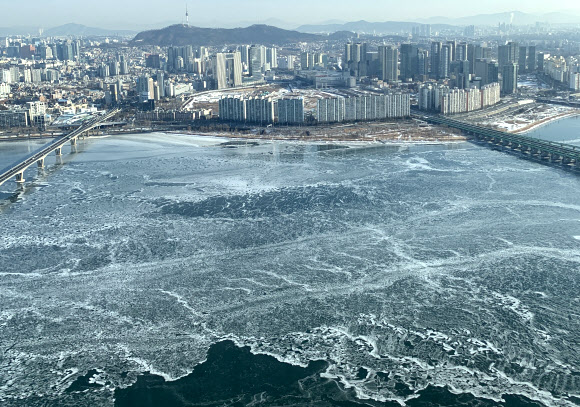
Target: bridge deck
x,y
29,160
551,147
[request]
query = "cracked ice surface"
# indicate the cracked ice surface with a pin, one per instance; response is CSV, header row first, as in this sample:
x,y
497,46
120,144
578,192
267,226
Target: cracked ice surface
x,y
425,265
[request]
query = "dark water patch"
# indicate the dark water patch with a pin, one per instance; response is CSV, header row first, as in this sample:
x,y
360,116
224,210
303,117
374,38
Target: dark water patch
x,y
441,396
233,376
329,147
280,202
83,383
239,143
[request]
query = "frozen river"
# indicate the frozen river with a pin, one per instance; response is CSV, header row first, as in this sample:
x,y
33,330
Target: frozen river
x,y
400,269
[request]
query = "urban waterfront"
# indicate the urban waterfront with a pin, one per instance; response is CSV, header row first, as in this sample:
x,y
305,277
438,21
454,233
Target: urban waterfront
x,y
392,270
566,131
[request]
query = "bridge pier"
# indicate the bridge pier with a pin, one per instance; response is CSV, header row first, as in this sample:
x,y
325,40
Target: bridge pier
x,y
40,163
73,141
546,156
20,177
58,151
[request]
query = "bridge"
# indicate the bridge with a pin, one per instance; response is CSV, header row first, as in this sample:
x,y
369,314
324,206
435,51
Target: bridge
x,y
17,169
543,150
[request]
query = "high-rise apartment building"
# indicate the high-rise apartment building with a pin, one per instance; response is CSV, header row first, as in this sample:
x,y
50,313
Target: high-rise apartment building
x,y
445,58
291,111
435,59
388,63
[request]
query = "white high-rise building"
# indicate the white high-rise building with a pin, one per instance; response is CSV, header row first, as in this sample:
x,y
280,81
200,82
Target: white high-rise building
x,y
36,75
219,70
355,108
272,57
575,82
451,101
4,90
5,76
330,110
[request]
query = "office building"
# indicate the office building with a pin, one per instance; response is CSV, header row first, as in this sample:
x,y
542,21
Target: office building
x,y
409,61
145,88
509,84
435,57
257,61
153,61
532,59
272,57
14,118
523,60
508,53
487,70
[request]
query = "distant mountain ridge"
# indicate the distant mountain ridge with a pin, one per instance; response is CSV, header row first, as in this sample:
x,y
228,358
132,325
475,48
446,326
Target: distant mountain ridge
x,y
79,30
180,34
67,30
514,17
438,23
387,27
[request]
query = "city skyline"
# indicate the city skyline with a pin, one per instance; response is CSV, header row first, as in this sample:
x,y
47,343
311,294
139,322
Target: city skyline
x,y
287,15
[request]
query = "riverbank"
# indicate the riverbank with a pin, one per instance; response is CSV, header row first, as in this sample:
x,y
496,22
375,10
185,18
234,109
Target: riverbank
x,y
545,122
530,117
393,132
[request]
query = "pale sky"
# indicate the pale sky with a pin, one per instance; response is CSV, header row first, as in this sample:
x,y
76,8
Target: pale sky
x,y
140,14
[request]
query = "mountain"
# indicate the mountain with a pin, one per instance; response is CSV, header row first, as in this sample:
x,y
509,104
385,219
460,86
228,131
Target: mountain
x,y
79,30
387,27
514,17
440,23
180,34
275,22
6,31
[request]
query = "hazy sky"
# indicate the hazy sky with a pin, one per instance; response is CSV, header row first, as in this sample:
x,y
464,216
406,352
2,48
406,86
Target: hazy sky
x,y
141,13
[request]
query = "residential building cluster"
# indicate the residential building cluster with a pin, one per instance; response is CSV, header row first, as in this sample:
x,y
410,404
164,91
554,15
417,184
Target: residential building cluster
x,y
262,110
564,70
363,108
443,99
457,71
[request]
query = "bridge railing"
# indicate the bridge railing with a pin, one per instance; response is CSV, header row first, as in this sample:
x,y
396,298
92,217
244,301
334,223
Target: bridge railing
x,y
30,159
552,146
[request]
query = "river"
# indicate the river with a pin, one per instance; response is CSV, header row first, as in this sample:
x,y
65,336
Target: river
x,y
153,269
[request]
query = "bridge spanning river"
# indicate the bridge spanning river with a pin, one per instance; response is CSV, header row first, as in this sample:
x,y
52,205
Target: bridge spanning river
x,y
550,151
17,169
